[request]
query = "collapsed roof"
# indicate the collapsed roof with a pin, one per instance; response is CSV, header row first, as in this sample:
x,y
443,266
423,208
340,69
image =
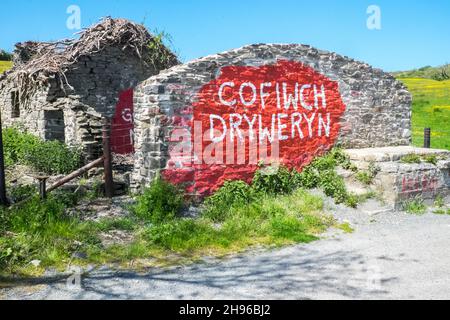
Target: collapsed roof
x,y
37,62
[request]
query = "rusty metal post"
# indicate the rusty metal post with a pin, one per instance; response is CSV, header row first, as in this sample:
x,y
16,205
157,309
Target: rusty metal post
x,y
107,161
3,198
76,174
427,138
42,188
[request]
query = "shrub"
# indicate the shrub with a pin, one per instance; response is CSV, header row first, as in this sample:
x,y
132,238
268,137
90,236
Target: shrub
x,y
16,144
49,157
308,178
21,192
342,159
53,157
277,182
364,177
352,200
333,186
232,194
160,202
320,173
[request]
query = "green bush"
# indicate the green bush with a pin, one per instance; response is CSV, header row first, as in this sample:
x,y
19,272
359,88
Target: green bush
x,y
231,195
320,173
273,180
364,177
333,186
16,145
439,201
160,202
49,157
53,157
21,192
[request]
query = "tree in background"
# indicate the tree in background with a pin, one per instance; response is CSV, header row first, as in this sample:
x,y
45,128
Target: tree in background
x,y
5,56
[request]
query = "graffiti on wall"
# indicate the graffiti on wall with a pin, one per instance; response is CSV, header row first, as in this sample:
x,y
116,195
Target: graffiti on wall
x,y
122,128
419,183
284,113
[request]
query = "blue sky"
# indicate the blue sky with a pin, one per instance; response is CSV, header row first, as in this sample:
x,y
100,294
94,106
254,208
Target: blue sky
x,y
413,33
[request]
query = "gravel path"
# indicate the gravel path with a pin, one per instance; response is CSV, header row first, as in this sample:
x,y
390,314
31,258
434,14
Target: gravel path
x,y
390,255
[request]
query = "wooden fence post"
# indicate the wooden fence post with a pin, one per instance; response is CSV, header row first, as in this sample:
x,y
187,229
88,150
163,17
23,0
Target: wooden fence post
x,y
3,198
107,161
427,138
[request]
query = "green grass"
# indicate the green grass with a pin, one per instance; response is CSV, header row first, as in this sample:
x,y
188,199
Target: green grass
x,y
411,158
345,227
5,65
271,220
41,230
431,108
274,210
415,206
364,177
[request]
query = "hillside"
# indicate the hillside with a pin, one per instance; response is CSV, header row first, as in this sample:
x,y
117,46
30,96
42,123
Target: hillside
x,y
5,65
428,72
431,108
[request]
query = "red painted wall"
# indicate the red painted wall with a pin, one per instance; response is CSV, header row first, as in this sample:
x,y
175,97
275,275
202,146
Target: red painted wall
x,y
122,124
298,107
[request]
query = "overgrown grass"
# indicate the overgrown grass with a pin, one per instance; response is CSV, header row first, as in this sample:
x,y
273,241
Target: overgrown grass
x,y
269,220
430,108
5,65
49,157
274,210
39,230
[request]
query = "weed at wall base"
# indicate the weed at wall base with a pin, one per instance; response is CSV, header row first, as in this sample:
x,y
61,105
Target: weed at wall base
x,y
414,206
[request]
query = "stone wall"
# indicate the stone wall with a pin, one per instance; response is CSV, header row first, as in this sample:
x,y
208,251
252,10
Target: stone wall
x,y
314,98
398,182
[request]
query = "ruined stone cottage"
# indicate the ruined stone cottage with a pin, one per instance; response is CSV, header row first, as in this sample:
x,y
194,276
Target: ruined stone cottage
x,y
61,90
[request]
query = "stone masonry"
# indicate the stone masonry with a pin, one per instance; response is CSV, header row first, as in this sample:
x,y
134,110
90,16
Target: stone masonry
x,y
366,107
398,182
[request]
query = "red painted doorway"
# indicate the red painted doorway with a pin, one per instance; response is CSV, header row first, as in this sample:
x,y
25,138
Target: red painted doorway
x,y
122,126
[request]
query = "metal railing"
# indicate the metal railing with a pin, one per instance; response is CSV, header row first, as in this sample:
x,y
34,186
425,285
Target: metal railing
x,y
105,160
